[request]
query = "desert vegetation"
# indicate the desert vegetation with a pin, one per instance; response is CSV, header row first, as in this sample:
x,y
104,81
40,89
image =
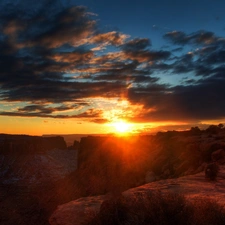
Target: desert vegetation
x,y
211,170
156,208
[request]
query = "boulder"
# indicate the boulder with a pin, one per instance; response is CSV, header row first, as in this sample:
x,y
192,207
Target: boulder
x,y
75,212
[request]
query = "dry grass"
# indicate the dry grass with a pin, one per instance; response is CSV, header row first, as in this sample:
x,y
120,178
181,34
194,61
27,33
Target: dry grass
x,y
157,209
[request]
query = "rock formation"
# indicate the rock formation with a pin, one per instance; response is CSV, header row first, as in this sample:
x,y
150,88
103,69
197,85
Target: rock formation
x,y
192,186
24,144
30,159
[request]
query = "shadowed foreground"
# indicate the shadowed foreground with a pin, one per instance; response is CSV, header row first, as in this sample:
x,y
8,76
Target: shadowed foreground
x,y
195,188
157,209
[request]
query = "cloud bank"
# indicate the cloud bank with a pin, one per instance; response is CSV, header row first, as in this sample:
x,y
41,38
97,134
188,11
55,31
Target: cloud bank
x,y
54,59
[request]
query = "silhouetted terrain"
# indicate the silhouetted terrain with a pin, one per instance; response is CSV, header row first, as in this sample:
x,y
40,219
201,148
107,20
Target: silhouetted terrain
x,y
117,163
71,138
44,169
30,166
25,144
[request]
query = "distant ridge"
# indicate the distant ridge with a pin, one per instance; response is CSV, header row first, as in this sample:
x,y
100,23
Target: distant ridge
x,y
70,138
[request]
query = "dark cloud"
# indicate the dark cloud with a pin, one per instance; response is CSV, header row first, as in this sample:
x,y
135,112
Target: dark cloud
x,y
45,109
90,114
202,70
136,49
161,66
189,82
202,37
136,44
146,55
125,72
202,100
195,100
177,37
183,64
69,26
59,91
177,49
216,57
35,63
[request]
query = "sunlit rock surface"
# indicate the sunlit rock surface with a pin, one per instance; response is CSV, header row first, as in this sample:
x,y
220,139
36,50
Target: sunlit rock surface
x,y
192,186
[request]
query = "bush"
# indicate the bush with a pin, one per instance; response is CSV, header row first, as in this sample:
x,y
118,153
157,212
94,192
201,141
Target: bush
x,y
211,171
157,209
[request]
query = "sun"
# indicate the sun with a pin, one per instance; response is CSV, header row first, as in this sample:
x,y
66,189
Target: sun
x,y
121,127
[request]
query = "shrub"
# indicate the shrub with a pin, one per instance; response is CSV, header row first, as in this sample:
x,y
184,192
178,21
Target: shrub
x,y
211,171
157,209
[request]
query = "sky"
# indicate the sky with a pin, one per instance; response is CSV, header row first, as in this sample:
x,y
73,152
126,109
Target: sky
x,y
83,66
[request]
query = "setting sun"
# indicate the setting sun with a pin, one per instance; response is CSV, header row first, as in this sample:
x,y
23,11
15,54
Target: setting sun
x,y
121,127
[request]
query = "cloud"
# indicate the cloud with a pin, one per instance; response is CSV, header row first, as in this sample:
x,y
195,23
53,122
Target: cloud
x,y
136,44
112,38
198,97
177,37
136,49
184,64
202,100
100,121
216,57
66,25
146,55
125,72
200,37
90,114
78,57
54,60
45,109
60,91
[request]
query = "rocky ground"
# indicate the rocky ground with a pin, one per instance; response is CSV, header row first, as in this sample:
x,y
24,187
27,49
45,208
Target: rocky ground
x,y
191,186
